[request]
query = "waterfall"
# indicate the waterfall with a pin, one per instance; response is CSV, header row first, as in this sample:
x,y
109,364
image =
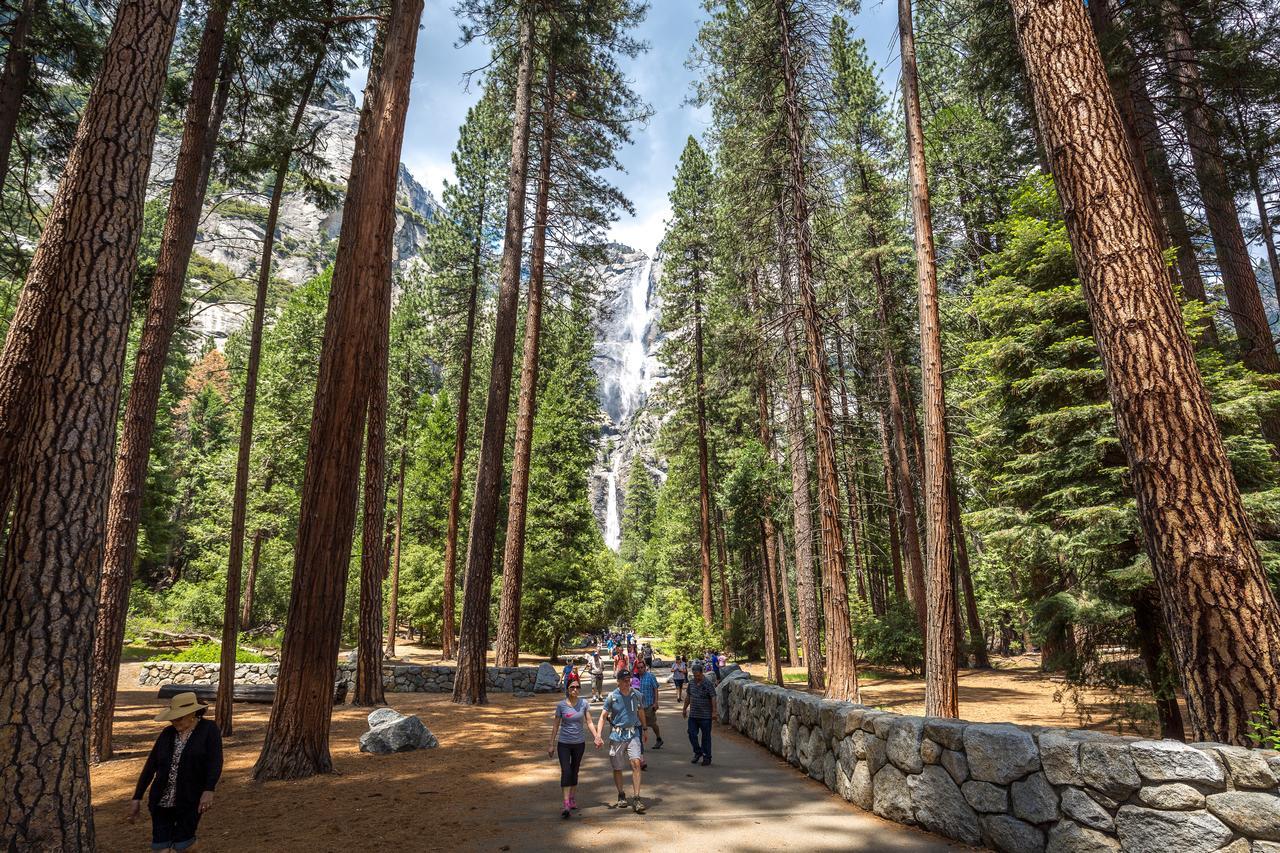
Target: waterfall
x,y
632,383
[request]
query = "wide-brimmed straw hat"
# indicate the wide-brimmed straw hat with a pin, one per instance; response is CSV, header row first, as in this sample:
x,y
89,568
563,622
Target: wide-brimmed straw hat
x,y
180,706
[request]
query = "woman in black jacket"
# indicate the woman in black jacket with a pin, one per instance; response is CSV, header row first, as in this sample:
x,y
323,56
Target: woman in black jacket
x,y
184,765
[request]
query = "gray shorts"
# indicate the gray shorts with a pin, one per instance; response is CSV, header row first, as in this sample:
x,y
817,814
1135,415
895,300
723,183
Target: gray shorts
x,y
623,752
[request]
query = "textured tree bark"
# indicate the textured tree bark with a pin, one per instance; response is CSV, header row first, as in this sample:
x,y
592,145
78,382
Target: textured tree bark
x,y
841,663
507,646
1222,617
60,379
1239,282
891,493
771,582
802,506
941,690
704,480
850,477
1152,162
224,708
15,79
722,568
469,684
373,557
448,621
910,527
393,607
1264,221
124,506
784,589
297,736
977,638
251,578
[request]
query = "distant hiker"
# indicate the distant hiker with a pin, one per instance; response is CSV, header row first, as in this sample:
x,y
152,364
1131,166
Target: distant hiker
x,y
569,740
625,714
679,675
715,665
185,764
619,660
597,677
700,709
648,656
566,675
649,692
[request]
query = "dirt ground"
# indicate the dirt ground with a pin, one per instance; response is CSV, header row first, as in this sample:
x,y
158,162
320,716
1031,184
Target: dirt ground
x,y
491,786
1013,691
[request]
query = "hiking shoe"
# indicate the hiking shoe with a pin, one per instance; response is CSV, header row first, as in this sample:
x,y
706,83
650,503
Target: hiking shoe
x,y
696,758
658,745
573,803
706,760
564,812
637,805
622,801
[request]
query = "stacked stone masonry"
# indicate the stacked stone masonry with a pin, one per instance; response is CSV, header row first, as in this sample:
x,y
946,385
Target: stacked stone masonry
x,y
399,678
1021,789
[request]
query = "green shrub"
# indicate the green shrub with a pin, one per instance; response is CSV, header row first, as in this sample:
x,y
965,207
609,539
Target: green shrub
x,y
687,634
209,653
746,636
892,639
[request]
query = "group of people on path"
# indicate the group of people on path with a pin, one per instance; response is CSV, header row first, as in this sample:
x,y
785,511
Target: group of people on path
x,y
631,710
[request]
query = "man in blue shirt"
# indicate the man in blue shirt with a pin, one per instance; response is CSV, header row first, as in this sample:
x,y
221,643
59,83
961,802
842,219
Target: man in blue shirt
x,y
649,693
624,710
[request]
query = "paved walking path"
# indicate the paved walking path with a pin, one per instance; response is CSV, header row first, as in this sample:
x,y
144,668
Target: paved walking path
x,y
747,800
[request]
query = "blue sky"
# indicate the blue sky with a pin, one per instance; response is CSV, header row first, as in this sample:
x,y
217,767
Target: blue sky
x,y
440,99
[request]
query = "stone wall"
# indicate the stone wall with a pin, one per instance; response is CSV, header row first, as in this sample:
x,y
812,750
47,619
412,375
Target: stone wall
x,y
398,678
156,672
1022,789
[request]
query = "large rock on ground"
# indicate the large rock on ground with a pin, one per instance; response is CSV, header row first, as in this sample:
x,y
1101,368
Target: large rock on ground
x,y
547,681
391,731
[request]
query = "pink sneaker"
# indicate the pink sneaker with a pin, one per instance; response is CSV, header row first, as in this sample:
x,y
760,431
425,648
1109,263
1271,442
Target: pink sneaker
x,y
573,803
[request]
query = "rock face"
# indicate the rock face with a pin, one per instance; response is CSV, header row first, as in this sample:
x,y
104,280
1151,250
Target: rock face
x,y
391,731
233,221
547,680
1020,789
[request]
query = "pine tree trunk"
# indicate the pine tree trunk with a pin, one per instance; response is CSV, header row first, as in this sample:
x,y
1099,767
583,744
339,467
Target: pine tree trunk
x,y
977,638
784,589
1239,282
722,567
1264,223
841,663
910,527
224,709
1152,162
802,512
940,687
373,558
891,495
704,480
448,622
394,605
771,581
507,647
850,478
251,579
297,736
469,684
60,379
124,507
1222,616
15,79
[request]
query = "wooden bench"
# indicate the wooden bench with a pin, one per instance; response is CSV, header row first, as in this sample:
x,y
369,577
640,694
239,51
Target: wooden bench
x,y
258,693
